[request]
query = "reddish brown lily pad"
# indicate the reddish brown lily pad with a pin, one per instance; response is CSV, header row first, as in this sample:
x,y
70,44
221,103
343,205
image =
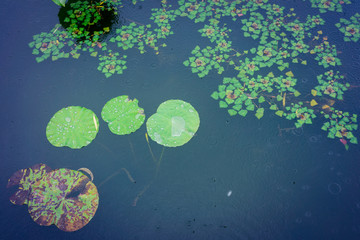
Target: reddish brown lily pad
x,y
25,178
66,198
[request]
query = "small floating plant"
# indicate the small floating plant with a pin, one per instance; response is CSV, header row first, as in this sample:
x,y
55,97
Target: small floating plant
x,y
350,28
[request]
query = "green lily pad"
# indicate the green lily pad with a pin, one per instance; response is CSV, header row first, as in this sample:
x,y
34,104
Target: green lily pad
x,y
66,198
123,115
174,123
25,178
74,127
60,2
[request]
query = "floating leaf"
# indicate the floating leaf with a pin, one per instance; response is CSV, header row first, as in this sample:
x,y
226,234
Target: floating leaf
x,y
66,198
73,126
123,115
215,95
223,104
261,99
259,113
313,92
25,178
289,74
279,113
273,107
243,112
297,93
174,123
60,2
232,112
313,103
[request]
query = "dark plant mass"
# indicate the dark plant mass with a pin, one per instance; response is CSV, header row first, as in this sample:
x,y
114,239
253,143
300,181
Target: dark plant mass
x,y
87,19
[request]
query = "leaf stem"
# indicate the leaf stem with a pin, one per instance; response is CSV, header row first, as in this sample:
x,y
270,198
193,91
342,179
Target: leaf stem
x,y
151,152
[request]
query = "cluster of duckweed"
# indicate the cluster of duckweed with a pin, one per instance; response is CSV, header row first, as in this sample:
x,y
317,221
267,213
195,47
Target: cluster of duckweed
x,y
284,39
111,63
350,28
340,124
251,94
330,84
73,40
299,112
329,5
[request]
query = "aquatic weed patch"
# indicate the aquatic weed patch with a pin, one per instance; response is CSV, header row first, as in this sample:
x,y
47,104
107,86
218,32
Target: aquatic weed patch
x,y
282,40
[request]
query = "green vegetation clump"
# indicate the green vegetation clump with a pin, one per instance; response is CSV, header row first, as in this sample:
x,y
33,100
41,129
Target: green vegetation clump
x,y
350,28
329,5
88,19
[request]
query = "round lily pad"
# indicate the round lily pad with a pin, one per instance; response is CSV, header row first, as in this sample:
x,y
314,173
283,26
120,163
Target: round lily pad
x,y
174,123
123,115
66,198
25,178
74,127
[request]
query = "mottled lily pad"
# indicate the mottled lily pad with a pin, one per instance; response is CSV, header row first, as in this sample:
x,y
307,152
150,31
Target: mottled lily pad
x,y
24,178
174,123
66,198
123,115
74,127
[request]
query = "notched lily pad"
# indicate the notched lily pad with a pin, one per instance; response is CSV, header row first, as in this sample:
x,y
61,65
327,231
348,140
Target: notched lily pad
x,y
174,123
74,127
123,115
66,198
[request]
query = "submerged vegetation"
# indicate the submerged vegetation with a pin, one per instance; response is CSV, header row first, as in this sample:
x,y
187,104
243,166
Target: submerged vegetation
x,y
264,78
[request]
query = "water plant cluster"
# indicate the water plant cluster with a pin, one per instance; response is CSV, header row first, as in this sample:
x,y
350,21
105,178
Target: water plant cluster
x,y
65,41
82,18
329,5
264,80
330,84
350,28
283,40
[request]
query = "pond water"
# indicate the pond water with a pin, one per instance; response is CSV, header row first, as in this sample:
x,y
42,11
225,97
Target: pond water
x,y
237,178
